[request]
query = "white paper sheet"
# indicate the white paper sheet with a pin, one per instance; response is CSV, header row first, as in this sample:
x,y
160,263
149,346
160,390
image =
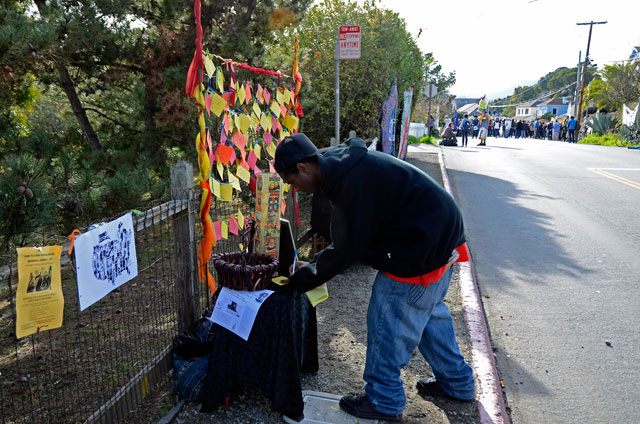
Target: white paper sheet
x,y
236,310
105,259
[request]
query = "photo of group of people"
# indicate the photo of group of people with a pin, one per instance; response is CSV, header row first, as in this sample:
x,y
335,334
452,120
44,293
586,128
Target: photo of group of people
x,y
39,280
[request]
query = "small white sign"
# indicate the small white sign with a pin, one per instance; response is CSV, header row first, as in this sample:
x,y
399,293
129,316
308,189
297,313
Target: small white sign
x,y
237,310
349,42
105,259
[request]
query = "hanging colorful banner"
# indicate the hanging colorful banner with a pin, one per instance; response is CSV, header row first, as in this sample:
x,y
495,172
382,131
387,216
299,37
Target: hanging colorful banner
x,y
105,259
388,123
404,129
39,299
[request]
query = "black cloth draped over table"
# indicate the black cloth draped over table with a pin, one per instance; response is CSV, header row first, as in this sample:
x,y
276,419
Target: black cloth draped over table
x,y
282,344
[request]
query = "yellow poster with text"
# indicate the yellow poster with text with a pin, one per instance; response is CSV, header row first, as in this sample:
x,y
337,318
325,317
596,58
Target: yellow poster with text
x,y
39,300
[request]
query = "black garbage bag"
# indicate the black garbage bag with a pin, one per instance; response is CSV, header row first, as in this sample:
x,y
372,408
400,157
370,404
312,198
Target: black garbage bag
x,y
191,354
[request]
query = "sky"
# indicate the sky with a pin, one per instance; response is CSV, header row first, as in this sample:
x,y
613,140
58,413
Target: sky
x,y
496,45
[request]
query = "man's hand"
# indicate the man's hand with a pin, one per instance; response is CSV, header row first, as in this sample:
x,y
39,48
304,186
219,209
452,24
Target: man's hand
x,y
299,264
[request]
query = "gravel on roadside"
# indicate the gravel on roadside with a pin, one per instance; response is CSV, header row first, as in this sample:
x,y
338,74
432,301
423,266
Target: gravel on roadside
x,y
342,350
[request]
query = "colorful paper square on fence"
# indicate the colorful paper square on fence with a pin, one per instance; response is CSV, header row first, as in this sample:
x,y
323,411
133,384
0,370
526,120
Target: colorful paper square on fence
x,y
226,192
266,95
233,225
275,108
243,174
217,104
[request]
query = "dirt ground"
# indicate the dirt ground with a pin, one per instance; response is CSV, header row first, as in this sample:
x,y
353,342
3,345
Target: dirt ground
x,y
341,351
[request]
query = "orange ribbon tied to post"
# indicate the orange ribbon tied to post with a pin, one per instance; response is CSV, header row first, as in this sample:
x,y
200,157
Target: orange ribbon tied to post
x,y
72,237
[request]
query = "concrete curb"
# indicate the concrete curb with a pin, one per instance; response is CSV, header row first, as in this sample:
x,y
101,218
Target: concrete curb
x,y
491,405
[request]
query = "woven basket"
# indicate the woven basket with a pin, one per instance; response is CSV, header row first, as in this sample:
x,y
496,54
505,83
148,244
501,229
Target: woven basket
x,y
245,271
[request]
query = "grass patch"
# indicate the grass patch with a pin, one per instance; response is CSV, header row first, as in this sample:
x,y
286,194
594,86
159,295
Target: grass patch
x,y
424,140
602,140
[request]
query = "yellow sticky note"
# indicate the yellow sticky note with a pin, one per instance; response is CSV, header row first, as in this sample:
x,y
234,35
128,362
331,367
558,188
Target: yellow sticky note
x,y
226,192
275,108
217,104
318,295
283,134
287,96
279,96
224,227
291,122
271,150
255,121
240,219
220,80
281,281
256,151
220,170
265,122
208,65
256,108
286,187
243,174
234,181
241,94
216,188
243,123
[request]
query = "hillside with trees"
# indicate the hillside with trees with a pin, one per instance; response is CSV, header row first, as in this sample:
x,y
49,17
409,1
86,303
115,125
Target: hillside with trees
x,y
559,83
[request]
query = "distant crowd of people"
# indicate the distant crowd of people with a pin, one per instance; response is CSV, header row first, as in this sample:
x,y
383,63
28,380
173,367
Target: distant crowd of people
x,y
482,126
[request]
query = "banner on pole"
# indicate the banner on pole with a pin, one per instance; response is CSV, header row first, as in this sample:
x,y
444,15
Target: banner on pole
x,y
388,124
628,115
404,129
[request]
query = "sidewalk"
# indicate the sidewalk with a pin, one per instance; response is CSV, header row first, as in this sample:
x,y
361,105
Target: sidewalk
x,y
342,347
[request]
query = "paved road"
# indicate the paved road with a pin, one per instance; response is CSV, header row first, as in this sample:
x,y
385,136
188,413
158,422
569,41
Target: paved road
x,y
555,235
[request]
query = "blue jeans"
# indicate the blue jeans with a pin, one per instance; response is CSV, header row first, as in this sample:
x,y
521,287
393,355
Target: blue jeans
x,y
404,316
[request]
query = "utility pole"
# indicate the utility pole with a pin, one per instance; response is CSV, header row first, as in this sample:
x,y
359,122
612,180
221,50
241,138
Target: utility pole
x,y
337,89
429,111
575,96
584,70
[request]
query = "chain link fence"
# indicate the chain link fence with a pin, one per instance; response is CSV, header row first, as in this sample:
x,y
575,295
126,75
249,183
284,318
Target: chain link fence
x,y
103,361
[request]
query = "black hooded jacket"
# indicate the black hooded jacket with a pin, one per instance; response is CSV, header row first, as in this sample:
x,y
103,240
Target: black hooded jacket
x,y
386,213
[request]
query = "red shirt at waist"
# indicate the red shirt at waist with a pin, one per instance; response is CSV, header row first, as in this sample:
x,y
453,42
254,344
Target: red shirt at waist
x,y
436,274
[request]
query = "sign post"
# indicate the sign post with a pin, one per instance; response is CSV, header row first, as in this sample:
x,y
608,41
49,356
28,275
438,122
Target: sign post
x,y
347,47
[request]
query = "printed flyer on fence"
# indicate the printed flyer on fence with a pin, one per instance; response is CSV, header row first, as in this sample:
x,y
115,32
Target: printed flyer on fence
x,y
237,310
105,259
39,300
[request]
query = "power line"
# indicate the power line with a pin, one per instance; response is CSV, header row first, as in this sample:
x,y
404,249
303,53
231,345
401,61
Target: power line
x,y
539,98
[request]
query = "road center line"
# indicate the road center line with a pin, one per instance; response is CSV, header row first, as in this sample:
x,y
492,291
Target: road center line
x,y
631,183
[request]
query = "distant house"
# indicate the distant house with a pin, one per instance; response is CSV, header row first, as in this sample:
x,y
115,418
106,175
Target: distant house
x,y
527,111
556,107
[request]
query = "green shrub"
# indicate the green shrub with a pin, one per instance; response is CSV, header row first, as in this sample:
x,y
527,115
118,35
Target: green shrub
x,y
603,123
26,203
602,140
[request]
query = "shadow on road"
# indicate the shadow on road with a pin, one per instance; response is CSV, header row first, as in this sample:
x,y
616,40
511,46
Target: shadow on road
x,y
510,236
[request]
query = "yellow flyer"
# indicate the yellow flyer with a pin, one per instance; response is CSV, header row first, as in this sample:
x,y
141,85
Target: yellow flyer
x,y
39,300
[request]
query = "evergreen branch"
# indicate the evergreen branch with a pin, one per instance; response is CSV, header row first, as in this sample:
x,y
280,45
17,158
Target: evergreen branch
x,y
115,121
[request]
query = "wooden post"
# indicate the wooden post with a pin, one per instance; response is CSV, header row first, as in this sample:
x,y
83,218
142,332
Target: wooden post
x,y
184,239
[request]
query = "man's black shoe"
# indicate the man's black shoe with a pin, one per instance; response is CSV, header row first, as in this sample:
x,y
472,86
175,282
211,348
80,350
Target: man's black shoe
x,y
359,406
430,387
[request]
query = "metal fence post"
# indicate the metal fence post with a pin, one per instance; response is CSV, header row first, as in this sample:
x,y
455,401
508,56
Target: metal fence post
x,y
184,240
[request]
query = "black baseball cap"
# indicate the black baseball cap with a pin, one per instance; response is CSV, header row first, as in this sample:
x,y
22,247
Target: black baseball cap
x,y
292,150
